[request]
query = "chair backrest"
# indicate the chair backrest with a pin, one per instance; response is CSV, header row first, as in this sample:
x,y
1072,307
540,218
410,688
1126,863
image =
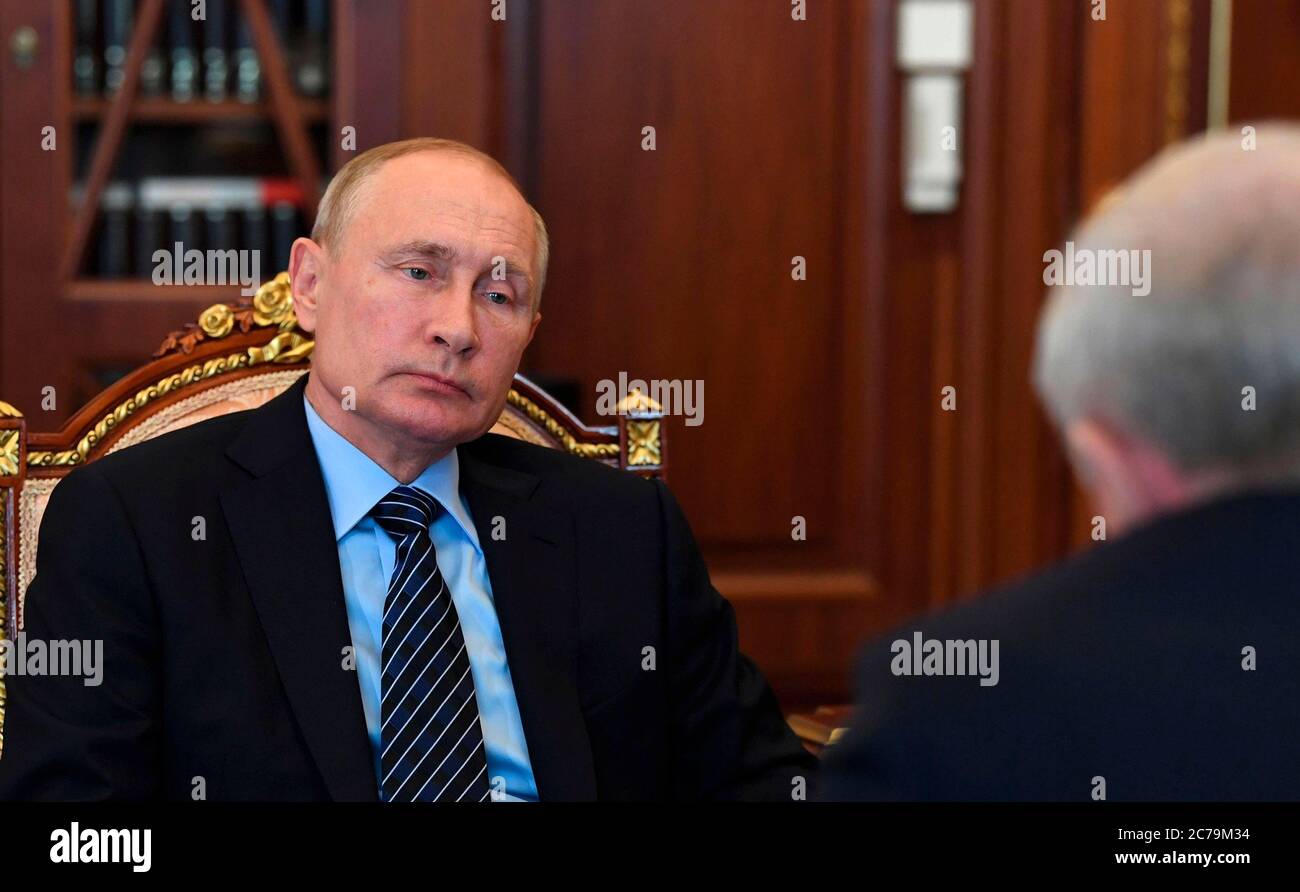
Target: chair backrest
x,y
235,357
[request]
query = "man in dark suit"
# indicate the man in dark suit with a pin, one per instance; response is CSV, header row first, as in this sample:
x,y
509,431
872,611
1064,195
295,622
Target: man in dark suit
x,y
1163,663
355,593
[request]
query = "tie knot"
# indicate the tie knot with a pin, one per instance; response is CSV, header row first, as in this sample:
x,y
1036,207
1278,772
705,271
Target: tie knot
x,y
406,511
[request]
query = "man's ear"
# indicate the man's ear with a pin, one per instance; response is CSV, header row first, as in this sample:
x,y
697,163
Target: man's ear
x,y
1128,478
532,327
306,266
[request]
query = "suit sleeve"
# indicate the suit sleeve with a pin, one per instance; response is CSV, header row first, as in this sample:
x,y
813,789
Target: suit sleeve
x,y
66,737
930,738
729,737
869,763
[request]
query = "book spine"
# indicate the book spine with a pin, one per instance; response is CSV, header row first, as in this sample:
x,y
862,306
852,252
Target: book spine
x,y
248,71
219,230
118,15
185,61
279,11
148,238
182,227
312,72
153,71
216,69
85,67
253,237
153,74
114,241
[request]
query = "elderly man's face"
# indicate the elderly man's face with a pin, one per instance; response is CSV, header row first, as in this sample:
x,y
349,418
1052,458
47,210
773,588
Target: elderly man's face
x,y
411,308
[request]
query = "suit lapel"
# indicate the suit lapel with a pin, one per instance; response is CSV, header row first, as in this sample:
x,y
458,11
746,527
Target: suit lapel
x,y
280,524
532,571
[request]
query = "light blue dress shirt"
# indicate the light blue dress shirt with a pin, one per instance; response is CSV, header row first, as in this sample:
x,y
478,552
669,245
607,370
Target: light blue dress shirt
x,y
354,483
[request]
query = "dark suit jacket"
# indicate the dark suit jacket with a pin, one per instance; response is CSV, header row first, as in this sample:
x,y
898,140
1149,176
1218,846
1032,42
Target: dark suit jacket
x,y
223,657
1125,663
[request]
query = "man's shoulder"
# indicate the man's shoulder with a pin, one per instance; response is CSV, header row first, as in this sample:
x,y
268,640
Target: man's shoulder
x,y
987,690
1051,622
1187,566
1117,653
1111,613
1038,601
197,449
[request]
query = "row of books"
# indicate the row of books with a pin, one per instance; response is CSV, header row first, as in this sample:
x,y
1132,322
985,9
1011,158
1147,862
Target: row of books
x,y
203,213
212,58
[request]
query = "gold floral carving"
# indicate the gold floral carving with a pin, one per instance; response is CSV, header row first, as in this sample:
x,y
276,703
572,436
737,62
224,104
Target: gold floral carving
x,y
217,321
643,446
272,305
8,453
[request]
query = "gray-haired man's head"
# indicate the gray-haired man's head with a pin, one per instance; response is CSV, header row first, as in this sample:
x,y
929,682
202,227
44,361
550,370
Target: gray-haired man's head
x,y
1190,384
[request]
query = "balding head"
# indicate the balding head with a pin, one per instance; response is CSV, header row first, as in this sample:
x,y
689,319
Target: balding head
x,y
347,188
1177,368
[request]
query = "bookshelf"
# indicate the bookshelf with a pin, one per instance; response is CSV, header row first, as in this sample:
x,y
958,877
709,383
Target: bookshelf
x,y
184,65
107,155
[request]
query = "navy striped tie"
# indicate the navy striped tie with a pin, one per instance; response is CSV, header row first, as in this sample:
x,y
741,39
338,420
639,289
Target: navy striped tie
x,y
432,745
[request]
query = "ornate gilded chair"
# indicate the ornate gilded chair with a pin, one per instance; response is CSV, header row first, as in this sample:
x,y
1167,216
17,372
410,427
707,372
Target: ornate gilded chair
x,y
237,357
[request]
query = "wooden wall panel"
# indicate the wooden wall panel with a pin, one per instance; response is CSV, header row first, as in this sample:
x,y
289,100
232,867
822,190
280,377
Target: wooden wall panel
x,y
449,71
34,352
676,264
367,92
978,494
1033,208
1265,62
694,240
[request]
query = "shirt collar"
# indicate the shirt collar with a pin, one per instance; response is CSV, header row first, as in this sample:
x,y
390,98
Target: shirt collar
x,y
354,483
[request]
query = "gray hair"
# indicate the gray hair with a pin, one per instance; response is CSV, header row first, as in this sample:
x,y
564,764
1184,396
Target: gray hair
x,y
1171,367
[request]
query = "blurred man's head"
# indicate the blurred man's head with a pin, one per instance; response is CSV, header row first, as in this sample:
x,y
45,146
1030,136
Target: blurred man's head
x,y
421,282
1193,389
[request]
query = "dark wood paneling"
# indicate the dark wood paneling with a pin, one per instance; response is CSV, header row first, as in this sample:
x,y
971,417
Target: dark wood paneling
x,y
1035,206
450,75
368,89
35,209
694,241
676,263
1265,80
980,494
